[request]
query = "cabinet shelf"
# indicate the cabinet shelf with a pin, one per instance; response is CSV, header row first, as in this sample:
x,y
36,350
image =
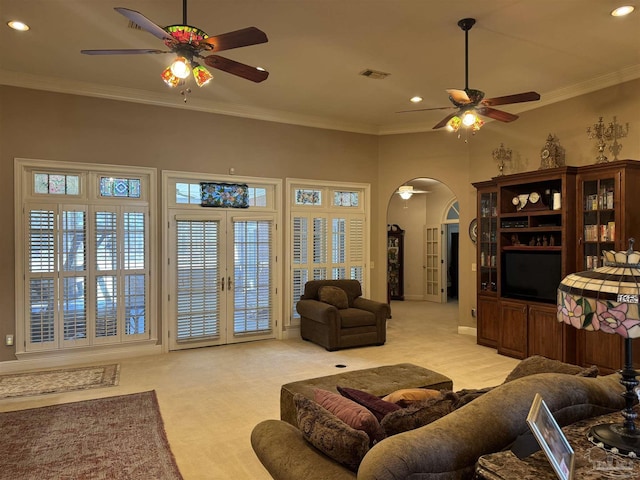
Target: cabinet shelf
x,y
528,248
553,228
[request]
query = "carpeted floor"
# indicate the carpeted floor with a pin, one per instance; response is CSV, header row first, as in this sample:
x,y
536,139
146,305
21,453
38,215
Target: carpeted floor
x,y
58,381
113,438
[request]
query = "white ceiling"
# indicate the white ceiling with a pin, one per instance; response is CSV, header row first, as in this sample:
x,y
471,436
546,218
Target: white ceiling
x,y
317,48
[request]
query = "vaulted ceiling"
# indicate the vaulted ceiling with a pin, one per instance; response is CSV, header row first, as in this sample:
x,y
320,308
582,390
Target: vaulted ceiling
x,y
317,49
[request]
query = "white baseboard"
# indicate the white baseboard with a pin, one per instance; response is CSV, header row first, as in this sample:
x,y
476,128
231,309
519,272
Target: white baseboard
x,y
38,361
468,331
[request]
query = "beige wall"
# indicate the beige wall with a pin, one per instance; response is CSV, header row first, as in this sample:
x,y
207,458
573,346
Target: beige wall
x,y
50,126
42,125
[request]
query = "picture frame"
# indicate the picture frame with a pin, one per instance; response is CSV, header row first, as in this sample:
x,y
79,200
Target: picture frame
x,y
551,439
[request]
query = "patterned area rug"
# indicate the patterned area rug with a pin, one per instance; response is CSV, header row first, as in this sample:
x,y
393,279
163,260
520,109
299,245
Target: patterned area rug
x,y
56,381
115,438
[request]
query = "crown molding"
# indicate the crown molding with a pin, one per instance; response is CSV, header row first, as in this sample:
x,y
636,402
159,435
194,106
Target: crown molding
x,y
58,85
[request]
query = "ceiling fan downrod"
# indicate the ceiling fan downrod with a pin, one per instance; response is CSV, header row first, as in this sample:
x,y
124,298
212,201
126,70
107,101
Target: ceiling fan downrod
x,y
465,24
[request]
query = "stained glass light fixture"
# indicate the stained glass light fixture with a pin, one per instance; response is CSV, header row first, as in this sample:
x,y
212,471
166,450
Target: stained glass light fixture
x,y
468,119
606,299
183,65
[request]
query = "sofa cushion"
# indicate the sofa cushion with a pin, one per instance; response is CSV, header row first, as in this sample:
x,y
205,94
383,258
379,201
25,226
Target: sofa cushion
x,y
353,414
419,413
539,364
374,404
329,434
405,396
333,296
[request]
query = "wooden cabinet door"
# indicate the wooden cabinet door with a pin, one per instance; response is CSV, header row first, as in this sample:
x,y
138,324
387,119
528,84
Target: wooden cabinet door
x,y
513,329
546,333
488,321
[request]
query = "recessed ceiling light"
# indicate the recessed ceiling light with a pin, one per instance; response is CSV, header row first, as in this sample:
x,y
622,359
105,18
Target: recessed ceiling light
x,y
416,99
622,11
17,25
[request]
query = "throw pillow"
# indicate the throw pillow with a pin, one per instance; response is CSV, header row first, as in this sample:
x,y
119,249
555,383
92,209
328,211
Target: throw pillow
x,y
354,415
374,404
419,414
407,396
333,296
540,364
329,434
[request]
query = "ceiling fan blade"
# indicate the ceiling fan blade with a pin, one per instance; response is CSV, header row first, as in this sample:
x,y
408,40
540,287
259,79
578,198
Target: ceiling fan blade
x,y
236,68
126,51
144,23
516,98
425,109
444,121
458,96
497,114
239,38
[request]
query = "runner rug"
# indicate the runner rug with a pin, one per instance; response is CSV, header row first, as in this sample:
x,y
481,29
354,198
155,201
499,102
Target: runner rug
x,y
114,438
57,381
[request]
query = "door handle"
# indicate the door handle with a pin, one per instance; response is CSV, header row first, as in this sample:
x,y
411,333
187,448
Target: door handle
x,y
228,283
222,284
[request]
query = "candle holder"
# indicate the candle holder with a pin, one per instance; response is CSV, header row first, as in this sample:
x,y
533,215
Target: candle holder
x,y
617,131
603,134
501,155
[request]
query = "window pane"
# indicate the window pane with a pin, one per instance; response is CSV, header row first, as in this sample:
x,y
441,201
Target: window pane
x,y
300,240
134,304
338,241
320,240
106,306
73,241
106,241
252,274
74,308
257,197
345,199
41,241
134,236
308,197
41,318
198,299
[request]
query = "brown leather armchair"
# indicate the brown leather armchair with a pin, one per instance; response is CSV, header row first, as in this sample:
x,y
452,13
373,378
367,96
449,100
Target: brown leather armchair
x,y
358,321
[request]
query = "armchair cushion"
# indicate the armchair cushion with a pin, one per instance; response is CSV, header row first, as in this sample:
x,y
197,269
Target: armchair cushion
x,y
333,296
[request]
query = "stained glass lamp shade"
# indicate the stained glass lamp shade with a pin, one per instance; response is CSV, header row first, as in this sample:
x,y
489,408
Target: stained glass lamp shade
x,y
606,299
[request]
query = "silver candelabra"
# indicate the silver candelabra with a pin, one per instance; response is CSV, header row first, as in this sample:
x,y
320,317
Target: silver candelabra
x,y
501,155
604,134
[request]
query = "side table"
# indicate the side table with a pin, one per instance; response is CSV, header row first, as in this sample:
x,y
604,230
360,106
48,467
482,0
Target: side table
x,y
591,462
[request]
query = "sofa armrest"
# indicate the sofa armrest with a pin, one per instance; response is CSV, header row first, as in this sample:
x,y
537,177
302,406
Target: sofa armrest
x,y
378,308
450,446
288,456
317,310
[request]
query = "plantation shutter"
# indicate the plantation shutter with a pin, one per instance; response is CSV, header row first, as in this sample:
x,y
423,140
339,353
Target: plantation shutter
x,y
198,271
252,286
41,277
356,249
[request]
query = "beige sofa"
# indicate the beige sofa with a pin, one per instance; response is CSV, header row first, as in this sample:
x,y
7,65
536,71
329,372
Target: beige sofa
x,y
448,448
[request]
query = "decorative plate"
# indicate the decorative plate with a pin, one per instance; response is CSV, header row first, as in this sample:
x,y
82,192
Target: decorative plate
x,y
473,230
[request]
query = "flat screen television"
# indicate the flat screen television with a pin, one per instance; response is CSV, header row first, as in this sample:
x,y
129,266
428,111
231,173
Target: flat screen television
x,y
531,276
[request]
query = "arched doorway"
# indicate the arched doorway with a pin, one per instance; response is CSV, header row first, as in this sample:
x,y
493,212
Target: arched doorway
x,y
428,232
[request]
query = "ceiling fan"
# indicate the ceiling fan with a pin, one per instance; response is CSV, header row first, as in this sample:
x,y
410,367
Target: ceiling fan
x,y
189,44
470,103
407,191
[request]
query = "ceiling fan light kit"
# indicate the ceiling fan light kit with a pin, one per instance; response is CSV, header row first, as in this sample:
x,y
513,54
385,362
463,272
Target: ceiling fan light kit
x,y
470,103
188,43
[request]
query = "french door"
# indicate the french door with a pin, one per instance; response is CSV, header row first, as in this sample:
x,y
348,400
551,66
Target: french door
x,y
222,270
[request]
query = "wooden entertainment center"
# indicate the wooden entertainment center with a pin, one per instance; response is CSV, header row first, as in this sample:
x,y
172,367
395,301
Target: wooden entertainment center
x,y
536,227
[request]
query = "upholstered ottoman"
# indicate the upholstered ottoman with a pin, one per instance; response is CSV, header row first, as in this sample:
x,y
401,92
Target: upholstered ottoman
x,y
378,381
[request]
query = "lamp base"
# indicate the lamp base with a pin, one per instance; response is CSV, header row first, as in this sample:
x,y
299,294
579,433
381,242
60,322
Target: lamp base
x,y
614,435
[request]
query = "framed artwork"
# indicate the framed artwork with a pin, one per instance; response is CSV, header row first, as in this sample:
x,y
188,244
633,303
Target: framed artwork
x,y
551,439
224,195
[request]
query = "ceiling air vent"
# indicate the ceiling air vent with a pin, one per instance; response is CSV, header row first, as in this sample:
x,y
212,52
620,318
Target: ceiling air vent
x,y
375,74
